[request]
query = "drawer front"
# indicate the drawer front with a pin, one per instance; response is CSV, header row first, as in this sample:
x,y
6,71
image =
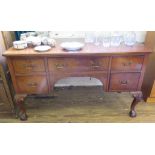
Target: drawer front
x,y
128,63
32,84
124,81
23,66
78,64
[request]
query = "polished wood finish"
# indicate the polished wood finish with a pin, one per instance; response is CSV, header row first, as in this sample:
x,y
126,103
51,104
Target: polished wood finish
x,y
78,64
127,63
29,65
119,69
124,82
32,84
149,78
88,50
138,96
20,110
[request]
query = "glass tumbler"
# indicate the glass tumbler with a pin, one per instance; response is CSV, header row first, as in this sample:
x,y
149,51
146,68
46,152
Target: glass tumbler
x,y
116,39
89,37
98,38
129,38
106,39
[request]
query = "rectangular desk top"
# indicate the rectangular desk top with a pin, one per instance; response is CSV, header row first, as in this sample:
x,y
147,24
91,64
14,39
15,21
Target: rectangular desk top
x,y
88,50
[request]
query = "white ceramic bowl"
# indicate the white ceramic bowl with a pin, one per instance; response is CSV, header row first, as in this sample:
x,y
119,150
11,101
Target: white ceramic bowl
x,y
20,44
72,46
42,48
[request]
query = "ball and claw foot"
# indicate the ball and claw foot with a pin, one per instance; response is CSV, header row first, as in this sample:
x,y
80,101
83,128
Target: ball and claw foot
x,y
20,109
132,113
138,96
23,116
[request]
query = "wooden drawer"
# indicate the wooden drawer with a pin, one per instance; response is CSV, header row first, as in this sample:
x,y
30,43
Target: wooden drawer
x,y
78,64
28,65
127,63
32,84
124,81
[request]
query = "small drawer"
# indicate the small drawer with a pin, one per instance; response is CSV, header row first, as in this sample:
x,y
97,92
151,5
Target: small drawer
x,y
78,64
32,84
23,65
124,81
128,63
98,63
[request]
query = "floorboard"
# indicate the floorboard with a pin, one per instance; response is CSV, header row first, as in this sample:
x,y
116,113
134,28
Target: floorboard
x,y
83,105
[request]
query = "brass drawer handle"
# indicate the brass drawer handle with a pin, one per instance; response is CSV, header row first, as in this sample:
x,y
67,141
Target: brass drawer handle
x,y
123,82
32,84
59,66
95,66
127,64
28,66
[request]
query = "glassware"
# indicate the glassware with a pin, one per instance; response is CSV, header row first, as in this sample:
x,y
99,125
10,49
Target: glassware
x,y
89,37
97,37
130,38
116,39
106,39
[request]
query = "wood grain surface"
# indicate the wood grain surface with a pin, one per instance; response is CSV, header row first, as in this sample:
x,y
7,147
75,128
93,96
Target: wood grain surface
x,y
89,49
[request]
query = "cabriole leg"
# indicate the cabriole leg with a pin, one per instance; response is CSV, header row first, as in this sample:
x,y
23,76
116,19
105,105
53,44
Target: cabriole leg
x,y
137,98
20,108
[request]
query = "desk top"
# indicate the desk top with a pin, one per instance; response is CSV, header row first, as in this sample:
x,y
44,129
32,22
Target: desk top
x,y
88,50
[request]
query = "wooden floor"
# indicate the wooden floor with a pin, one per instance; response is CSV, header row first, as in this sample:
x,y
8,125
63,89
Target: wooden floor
x,y
83,104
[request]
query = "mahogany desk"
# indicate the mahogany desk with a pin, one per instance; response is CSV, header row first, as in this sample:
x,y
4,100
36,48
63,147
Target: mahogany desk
x,y
120,69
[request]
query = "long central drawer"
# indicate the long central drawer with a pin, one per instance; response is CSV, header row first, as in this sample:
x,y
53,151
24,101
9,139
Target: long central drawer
x,y
78,64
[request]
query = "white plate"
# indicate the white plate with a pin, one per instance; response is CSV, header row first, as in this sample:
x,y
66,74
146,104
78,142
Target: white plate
x,y
72,46
42,48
